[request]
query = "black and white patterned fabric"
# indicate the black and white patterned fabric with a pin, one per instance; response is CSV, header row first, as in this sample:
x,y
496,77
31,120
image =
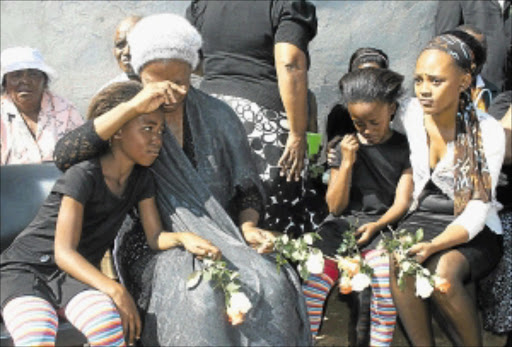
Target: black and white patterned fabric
x,y
495,294
292,207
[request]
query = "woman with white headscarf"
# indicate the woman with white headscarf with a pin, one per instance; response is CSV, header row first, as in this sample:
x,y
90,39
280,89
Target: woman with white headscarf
x,y
206,184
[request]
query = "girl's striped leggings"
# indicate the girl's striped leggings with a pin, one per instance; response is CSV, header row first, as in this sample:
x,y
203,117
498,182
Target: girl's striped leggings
x,y
33,321
382,309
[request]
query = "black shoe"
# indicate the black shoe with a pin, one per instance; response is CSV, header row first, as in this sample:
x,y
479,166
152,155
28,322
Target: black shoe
x,y
359,328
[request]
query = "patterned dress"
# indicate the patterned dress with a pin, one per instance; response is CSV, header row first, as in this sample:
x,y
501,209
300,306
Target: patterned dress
x,y
239,68
292,207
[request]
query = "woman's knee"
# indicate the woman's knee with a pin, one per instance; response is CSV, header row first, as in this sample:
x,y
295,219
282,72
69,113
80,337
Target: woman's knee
x,y
453,267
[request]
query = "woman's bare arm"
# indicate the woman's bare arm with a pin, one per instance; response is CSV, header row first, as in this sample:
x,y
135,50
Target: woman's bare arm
x,y
291,68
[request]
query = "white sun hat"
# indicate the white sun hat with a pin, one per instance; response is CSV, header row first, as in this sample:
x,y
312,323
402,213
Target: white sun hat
x,y
21,58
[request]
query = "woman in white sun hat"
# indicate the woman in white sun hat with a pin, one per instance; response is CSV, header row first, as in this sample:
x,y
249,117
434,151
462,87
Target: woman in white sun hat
x,y
32,117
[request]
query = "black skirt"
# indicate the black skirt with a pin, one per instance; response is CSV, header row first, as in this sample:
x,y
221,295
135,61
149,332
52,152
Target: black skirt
x,y
332,229
54,286
435,213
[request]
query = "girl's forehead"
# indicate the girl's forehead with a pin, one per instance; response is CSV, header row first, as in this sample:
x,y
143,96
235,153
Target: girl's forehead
x,y
156,116
433,61
365,109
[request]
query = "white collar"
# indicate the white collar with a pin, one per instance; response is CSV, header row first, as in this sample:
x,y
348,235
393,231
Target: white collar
x,y
480,81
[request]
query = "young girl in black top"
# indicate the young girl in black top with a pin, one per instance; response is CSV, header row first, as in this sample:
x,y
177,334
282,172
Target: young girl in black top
x,y
371,185
52,266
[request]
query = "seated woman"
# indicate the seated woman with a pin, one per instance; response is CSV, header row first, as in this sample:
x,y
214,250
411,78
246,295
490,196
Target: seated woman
x,y
456,157
371,185
203,171
32,118
54,263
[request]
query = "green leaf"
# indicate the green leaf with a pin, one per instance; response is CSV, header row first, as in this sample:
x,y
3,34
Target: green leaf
x,y
419,235
401,283
232,287
304,273
193,279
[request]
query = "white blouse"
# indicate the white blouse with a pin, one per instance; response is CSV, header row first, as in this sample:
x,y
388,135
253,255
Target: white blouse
x,y
477,214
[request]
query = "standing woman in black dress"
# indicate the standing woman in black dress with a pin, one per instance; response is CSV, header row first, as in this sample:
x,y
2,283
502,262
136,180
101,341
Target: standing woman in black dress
x,y
255,58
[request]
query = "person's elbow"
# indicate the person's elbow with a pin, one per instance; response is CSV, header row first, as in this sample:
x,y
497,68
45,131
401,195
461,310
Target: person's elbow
x,y
154,245
474,217
290,58
62,255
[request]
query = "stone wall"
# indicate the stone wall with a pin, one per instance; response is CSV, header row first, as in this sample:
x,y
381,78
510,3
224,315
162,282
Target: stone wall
x,y
76,37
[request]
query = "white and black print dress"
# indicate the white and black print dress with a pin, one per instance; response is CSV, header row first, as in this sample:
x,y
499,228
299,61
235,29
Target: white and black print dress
x,y
292,207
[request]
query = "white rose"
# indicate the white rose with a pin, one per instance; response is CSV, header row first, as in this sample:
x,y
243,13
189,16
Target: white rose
x,y
308,238
406,239
239,302
426,272
360,281
423,287
238,306
406,266
285,239
345,285
315,262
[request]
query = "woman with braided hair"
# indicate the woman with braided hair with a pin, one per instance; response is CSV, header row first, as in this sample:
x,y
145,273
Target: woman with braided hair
x,y
456,157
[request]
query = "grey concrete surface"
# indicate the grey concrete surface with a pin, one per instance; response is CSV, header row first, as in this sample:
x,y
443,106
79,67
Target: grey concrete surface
x,y
76,37
335,328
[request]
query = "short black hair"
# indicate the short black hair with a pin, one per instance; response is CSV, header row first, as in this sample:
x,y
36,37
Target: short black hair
x,y
368,55
369,85
111,96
